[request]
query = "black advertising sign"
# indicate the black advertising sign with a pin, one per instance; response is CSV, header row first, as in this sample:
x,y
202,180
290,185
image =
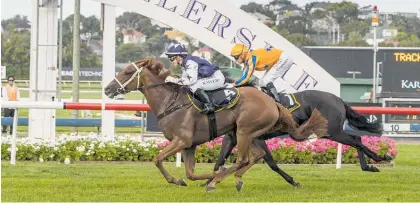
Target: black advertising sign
x,y
370,117
402,118
401,74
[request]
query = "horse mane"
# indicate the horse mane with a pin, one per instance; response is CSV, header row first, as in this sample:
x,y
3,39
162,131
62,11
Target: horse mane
x,y
157,68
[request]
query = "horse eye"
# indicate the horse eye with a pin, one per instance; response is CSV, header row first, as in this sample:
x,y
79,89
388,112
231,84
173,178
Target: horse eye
x,y
128,72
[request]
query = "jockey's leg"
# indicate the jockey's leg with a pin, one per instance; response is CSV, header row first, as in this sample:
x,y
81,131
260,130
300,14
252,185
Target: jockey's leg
x,y
270,86
277,71
217,80
202,96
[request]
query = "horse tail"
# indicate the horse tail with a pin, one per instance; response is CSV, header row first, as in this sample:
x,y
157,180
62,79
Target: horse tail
x,y
360,122
316,124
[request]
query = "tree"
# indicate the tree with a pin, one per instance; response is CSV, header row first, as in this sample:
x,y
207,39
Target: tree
x,y
138,22
220,59
15,52
407,40
297,39
319,14
253,7
296,24
129,52
18,22
344,11
91,27
408,25
87,57
386,44
354,40
156,45
300,40
356,26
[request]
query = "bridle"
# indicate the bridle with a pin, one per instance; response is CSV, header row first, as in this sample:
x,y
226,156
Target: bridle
x,y
124,90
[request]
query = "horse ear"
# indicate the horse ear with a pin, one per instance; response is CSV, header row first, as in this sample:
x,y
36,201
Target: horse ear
x,y
152,61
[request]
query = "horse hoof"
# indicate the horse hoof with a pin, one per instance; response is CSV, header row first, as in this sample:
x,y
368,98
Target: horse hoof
x,y
210,189
296,185
204,184
371,169
387,158
182,182
239,186
374,169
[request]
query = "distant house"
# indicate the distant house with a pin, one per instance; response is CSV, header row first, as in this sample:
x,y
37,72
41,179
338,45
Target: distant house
x,y
365,12
203,53
180,37
320,6
382,35
160,25
287,14
262,18
96,46
23,26
133,36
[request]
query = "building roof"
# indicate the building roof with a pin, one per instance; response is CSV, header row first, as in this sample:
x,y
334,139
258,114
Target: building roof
x,y
173,34
132,32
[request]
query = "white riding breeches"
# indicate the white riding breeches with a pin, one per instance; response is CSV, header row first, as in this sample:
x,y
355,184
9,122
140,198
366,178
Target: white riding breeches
x,y
216,81
278,70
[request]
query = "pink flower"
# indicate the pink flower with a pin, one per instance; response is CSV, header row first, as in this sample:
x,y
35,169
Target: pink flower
x,y
218,140
163,144
299,148
210,145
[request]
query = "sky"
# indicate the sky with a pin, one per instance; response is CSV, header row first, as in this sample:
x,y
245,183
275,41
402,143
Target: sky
x,y
10,8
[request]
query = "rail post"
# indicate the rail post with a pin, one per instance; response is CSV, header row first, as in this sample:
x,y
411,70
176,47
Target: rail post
x,y
15,125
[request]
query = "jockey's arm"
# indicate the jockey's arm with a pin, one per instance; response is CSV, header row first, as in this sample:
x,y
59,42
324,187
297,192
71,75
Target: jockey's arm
x,y
249,70
189,75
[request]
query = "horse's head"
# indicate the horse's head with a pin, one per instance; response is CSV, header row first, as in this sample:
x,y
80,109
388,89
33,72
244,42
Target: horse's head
x,y
136,76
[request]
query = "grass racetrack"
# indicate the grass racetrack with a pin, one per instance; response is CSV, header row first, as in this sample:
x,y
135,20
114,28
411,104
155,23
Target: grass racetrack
x,y
136,182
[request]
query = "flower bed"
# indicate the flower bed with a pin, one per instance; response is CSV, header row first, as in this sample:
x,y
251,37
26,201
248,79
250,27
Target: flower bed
x,y
126,148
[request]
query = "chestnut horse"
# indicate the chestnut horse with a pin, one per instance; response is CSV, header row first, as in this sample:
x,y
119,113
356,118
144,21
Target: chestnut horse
x,y
250,113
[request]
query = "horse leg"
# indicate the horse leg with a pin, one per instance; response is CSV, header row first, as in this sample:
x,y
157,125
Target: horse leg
x,y
345,138
256,154
268,158
172,148
369,152
243,152
229,142
189,161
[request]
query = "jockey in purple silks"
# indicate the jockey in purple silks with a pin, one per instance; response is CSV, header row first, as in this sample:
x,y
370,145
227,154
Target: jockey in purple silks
x,y
198,74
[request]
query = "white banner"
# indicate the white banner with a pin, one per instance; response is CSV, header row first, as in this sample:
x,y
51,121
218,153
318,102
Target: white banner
x,y
219,24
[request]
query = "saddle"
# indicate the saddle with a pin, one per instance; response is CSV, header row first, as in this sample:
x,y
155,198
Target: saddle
x,y
222,98
289,101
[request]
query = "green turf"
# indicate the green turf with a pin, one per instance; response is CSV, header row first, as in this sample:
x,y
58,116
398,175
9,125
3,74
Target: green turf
x,y
136,182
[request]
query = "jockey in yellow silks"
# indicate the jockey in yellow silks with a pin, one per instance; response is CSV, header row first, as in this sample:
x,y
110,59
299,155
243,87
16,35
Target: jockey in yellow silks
x,y
272,60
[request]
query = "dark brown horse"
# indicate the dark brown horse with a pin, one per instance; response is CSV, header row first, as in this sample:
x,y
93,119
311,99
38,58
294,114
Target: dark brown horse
x,y
252,114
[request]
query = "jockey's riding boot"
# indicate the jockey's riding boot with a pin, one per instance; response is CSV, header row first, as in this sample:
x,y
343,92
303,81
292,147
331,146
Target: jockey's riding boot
x,y
272,89
202,96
